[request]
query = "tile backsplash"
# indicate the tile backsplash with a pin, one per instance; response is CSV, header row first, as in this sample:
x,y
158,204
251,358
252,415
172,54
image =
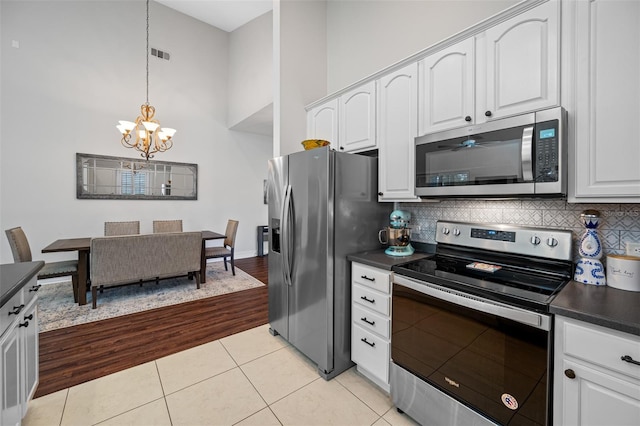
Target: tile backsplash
x,y
619,223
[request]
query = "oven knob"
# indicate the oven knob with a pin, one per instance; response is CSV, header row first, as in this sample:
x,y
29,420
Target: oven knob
x,y
535,240
456,232
552,242
445,231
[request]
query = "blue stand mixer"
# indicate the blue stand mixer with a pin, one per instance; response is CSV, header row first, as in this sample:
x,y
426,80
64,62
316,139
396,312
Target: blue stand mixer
x,y
398,235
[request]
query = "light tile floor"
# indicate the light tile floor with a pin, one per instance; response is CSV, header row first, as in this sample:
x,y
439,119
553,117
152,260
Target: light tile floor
x,y
250,378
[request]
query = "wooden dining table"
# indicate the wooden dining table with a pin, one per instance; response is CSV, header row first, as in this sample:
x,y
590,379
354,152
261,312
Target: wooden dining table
x,y
83,247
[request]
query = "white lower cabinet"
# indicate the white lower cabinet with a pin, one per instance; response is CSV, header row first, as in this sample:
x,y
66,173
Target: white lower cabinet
x,y
18,355
371,322
593,384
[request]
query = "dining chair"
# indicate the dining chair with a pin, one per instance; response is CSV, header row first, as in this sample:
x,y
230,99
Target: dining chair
x,y
160,226
227,249
121,228
22,253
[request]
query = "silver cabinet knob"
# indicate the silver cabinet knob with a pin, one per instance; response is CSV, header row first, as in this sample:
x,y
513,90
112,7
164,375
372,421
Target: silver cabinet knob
x,y
535,240
552,242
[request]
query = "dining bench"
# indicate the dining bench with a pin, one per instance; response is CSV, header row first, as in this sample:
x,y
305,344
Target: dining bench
x,y
130,259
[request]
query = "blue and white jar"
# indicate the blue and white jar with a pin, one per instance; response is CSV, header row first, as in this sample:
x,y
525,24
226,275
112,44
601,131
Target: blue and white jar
x,y
589,269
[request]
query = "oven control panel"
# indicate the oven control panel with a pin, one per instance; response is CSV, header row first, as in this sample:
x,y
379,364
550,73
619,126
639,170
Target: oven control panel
x,y
493,234
543,242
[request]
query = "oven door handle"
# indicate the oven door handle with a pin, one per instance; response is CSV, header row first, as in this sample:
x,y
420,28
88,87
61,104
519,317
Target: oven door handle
x,y
522,316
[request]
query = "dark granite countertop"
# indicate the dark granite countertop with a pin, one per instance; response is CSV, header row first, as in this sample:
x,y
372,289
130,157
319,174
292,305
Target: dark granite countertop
x,y
14,276
599,305
378,258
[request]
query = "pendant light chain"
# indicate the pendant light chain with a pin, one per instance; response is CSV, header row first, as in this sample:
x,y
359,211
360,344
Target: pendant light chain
x,y
147,52
150,138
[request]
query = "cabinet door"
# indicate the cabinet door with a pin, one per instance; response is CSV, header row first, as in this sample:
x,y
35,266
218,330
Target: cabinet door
x,y
593,397
397,129
522,64
29,331
357,125
322,122
10,392
446,88
607,104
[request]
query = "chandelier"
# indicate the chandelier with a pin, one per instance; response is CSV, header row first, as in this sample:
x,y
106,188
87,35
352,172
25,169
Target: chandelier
x,y
149,136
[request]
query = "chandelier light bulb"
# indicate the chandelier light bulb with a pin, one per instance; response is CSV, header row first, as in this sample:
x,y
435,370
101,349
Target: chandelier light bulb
x,y
169,132
128,125
150,126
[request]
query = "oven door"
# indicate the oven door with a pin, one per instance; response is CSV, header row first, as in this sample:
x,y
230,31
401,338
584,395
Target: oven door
x,y
490,357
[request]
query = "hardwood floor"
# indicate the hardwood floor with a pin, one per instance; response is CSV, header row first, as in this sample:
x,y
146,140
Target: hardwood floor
x,y
74,355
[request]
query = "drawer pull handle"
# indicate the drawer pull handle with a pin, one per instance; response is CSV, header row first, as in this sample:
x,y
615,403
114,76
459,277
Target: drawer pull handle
x,y
30,317
16,310
366,299
35,288
364,277
364,339
367,321
627,358
570,373
24,324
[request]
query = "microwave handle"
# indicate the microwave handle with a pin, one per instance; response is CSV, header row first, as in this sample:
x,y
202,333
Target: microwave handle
x,y
527,154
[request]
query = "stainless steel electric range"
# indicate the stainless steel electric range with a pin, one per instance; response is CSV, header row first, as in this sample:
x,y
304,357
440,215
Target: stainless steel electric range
x,y
471,330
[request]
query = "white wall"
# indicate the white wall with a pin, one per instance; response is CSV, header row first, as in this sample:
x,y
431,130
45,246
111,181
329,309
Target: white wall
x,y
79,68
301,55
250,69
366,36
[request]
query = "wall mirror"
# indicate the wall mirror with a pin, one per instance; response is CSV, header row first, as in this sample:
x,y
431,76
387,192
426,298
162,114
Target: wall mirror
x,y
118,178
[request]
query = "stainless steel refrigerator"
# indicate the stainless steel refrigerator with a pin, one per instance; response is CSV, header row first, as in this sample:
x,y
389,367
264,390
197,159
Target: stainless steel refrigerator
x,y
322,207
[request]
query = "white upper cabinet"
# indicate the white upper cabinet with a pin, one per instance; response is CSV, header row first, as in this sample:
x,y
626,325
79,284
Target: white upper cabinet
x,y
348,121
322,122
511,68
447,88
357,125
397,127
519,68
605,89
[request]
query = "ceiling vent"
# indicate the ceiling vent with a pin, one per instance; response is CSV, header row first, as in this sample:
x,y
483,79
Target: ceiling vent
x,y
160,54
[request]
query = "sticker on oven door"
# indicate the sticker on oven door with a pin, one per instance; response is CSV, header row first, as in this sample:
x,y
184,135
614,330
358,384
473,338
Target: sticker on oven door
x,y
509,401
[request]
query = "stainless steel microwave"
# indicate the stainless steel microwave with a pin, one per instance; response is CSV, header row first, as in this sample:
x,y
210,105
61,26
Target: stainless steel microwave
x,y
521,156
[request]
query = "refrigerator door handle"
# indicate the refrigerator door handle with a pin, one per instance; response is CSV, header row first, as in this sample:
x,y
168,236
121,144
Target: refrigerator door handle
x,y
286,235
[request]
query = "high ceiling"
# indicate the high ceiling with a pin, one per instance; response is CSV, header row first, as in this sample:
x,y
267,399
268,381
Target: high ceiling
x,y
224,14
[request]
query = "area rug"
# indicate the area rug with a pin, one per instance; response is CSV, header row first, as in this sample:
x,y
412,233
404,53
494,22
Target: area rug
x,y
56,308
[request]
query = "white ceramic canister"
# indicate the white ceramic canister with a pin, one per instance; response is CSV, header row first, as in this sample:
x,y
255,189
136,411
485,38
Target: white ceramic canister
x,y
623,272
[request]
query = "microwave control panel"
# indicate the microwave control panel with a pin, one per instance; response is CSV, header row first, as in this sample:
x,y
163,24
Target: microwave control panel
x,y
546,153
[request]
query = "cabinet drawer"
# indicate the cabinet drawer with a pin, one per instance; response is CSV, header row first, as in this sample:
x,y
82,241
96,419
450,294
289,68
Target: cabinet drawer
x,y
602,346
371,277
370,352
370,321
371,299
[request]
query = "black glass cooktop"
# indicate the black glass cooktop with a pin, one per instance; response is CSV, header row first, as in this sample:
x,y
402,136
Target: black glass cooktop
x,y
489,276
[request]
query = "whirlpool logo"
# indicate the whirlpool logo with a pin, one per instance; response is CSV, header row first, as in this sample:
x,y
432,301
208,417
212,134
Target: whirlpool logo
x,y
452,382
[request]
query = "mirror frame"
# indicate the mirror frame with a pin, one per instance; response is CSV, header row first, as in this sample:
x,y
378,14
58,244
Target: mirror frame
x,y
84,195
